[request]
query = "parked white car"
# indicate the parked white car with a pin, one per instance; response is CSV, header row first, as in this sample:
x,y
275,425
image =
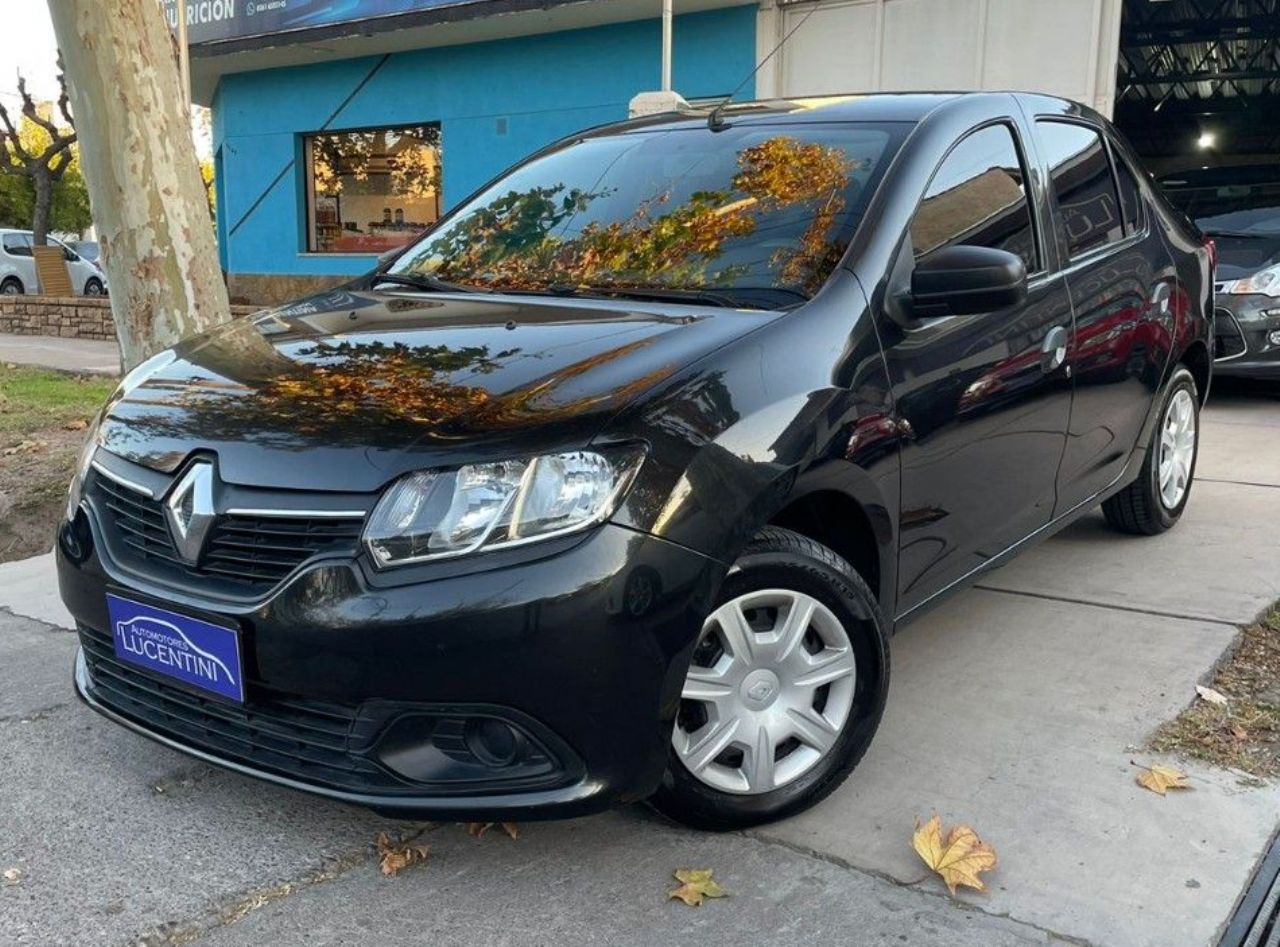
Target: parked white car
x,y
18,267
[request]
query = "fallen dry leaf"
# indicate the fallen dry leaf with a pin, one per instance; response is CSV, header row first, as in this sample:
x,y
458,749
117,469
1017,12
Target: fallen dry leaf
x,y
695,885
12,876
24,447
959,859
392,857
1239,732
79,424
1160,779
478,829
1211,695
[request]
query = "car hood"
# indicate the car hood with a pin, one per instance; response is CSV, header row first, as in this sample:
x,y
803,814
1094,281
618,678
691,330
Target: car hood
x,y
1239,257
344,390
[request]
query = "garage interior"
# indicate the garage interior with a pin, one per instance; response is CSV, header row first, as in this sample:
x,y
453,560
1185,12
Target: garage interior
x,y
1198,82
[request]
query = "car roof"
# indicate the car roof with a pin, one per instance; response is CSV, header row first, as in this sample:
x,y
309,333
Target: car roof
x,y
844,107
1228,174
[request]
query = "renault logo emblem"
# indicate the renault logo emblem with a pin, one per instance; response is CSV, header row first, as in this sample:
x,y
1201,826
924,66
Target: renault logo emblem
x,y
189,510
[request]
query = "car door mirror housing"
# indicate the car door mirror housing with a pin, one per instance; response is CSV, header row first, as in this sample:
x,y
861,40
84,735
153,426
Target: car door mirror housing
x,y
962,280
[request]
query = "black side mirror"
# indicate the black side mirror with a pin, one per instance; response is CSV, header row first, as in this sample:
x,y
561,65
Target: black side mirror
x,y
962,280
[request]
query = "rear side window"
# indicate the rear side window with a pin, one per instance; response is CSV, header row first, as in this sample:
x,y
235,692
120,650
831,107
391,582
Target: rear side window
x,y
17,244
978,197
1130,193
1083,184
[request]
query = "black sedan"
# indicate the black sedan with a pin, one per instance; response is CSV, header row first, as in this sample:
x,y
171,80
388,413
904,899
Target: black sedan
x,y
616,484
1239,208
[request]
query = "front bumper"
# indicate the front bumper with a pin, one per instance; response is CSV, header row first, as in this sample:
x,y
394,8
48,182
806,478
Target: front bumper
x,y
1243,326
363,692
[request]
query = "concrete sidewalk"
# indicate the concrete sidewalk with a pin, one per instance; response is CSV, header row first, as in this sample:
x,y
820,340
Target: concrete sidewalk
x,y
1017,707
89,356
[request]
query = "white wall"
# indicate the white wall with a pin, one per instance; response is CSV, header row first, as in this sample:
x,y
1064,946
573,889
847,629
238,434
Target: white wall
x,y
1064,47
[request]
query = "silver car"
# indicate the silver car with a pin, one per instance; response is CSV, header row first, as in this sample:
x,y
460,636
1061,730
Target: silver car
x,y
18,267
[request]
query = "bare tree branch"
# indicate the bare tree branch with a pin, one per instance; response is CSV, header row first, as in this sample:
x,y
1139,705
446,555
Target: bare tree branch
x,y
30,111
20,155
64,100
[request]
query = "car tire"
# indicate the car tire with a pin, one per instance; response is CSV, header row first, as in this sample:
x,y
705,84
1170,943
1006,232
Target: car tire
x,y
94,287
12,286
1153,503
837,624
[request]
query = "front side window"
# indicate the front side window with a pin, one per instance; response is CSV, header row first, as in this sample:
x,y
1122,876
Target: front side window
x,y
17,244
1083,185
371,191
978,198
762,212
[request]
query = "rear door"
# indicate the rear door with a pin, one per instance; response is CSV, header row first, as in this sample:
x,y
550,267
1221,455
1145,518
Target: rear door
x,y
1120,277
983,411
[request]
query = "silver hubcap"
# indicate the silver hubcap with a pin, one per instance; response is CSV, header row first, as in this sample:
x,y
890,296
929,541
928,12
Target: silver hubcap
x,y
1177,449
769,690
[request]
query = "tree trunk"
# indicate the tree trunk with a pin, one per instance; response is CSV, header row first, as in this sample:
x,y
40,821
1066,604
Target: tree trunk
x,y
139,162
43,186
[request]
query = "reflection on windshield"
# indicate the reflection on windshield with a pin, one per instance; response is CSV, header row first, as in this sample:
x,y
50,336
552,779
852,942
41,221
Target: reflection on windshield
x,y
744,209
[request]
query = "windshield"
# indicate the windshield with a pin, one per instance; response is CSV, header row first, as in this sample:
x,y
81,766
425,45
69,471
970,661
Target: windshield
x,y
761,214
1245,209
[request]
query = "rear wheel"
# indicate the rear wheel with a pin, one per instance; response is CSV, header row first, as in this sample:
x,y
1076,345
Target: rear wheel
x,y
1155,501
784,691
12,286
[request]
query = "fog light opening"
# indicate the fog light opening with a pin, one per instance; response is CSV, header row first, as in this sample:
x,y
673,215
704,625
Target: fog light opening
x,y
1273,337
493,742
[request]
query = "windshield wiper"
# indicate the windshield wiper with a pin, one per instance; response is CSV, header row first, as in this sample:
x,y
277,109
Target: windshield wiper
x,y
733,298
423,281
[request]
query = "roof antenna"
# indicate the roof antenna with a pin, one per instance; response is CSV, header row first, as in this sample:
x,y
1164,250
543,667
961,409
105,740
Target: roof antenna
x,y
714,121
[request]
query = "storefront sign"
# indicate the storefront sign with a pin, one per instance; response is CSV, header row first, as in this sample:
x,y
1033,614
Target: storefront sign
x,y
212,21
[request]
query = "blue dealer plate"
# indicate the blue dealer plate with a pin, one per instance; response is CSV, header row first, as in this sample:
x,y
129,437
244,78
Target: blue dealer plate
x,y
186,649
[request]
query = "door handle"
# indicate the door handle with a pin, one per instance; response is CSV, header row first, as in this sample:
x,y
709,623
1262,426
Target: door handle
x,y
1054,350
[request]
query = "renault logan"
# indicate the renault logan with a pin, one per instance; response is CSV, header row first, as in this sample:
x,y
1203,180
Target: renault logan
x,y
615,484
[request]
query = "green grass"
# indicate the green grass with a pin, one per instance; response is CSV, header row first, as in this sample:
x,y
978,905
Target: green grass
x,y
32,399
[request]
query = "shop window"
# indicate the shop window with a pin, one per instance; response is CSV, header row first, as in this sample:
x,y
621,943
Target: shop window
x,y
373,190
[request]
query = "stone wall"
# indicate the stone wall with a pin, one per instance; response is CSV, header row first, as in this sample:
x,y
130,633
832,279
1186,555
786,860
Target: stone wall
x,y
69,317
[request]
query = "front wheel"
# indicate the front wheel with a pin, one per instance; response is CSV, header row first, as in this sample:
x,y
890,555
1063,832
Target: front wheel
x,y
1154,502
784,691
94,287
11,286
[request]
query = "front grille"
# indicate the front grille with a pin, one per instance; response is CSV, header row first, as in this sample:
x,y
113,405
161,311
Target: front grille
x,y
316,742
251,553
1228,340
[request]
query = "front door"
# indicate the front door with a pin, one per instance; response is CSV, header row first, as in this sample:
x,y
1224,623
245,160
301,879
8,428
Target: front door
x,y
982,400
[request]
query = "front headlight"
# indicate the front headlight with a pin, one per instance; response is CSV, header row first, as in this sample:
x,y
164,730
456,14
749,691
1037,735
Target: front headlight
x,y
82,466
438,514
1264,282
132,379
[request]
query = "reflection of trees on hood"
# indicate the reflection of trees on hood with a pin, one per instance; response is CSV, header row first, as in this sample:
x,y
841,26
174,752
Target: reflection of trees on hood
x,y
520,240
339,392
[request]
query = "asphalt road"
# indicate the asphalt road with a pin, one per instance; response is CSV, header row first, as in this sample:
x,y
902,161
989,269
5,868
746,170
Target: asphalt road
x,y
1017,707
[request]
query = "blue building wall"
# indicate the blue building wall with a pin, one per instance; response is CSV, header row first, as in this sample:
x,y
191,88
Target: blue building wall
x,y
545,87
